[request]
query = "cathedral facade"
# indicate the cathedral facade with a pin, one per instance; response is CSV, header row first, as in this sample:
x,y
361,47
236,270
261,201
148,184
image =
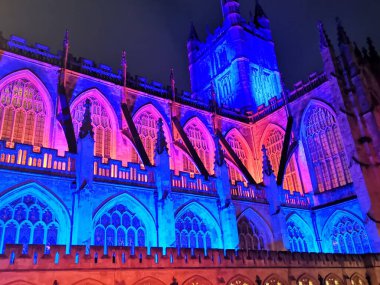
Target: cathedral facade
x,y
106,169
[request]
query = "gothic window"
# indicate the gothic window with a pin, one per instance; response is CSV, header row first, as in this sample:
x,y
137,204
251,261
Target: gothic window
x,y
274,142
225,90
28,220
239,281
188,165
305,280
119,226
192,232
250,237
348,236
357,280
101,125
201,145
297,239
241,153
326,149
333,280
22,113
146,125
273,281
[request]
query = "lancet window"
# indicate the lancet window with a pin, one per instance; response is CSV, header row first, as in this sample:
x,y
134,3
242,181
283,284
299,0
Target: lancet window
x,y
348,236
250,237
101,125
192,232
333,280
28,220
146,125
297,239
326,149
306,280
119,226
22,113
274,143
237,147
201,145
273,281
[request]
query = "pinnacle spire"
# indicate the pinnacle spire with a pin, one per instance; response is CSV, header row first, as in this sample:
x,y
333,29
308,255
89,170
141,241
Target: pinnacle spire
x,y
161,144
172,83
358,53
86,127
324,41
66,39
193,35
124,66
260,19
343,39
219,154
259,11
267,166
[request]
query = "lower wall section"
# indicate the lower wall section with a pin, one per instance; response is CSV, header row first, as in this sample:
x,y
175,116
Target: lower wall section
x,y
125,265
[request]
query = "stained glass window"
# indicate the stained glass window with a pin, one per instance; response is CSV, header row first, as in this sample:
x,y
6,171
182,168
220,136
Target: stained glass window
x,y
348,236
28,220
297,239
119,226
250,237
192,232
326,149
274,143
100,121
22,113
201,145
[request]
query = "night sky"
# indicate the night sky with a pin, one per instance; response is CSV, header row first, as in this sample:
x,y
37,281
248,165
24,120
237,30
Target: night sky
x,y
154,32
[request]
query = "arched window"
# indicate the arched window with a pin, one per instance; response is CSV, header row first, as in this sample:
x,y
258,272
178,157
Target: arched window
x,y
297,239
23,113
357,280
331,279
274,143
119,226
28,220
201,143
146,125
100,121
348,236
326,150
306,280
192,232
273,280
241,153
250,237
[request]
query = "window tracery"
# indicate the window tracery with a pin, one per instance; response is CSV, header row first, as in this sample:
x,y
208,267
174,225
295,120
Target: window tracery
x,y
119,226
326,149
22,113
146,125
28,220
274,143
249,235
297,239
241,152
201,145
348,236
101,125
192,232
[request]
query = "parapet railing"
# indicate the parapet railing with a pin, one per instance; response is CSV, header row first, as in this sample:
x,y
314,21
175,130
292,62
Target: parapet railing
x,y
115,171
296,200
243,191
193,183
141,257
35,159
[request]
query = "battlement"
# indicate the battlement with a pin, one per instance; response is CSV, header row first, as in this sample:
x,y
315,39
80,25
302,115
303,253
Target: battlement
x,y
193,183
142,257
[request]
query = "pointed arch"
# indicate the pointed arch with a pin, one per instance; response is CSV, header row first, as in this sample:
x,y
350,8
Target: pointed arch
x,y
306,279
45,212
357,279
274,279
26,109
197,279
273,139
252,227
325,150
202,142
300,235
19,282
240,280
145,119
104,121
196,227
88,281
149,281
241,148
135,225
333,279
344,232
